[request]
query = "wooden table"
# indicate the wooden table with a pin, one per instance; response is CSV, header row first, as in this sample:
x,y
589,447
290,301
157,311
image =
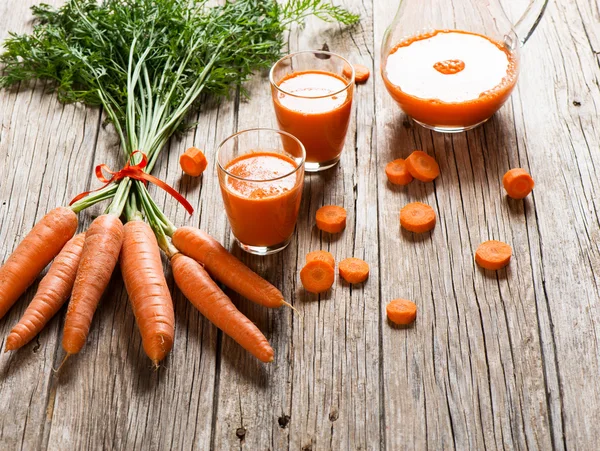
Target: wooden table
x,y
506,360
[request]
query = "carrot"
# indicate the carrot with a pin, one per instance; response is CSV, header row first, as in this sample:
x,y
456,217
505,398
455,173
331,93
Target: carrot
x,y
397,172
145,282
517,183
53,291
417,217
317,276
207,297
422,167
493,255
193,162
31,256
323,256
331,218
101,249
354,270
361,73
401,311
224,267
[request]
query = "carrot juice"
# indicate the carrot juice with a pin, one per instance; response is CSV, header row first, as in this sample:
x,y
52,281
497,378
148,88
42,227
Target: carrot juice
x,y
262,190
450,80
313,102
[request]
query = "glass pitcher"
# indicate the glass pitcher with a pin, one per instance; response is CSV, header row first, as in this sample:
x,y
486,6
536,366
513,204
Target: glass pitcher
x,y
451,64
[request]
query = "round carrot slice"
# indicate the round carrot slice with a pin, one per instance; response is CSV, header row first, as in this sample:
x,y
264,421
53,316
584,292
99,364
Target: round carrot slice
x,y
361,73
354,270
317,276
193,162
517,183
493,255
323,256
397,172
417,217
422,167
331,218
401,311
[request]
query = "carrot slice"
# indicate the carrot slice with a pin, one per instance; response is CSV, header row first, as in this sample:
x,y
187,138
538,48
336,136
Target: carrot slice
x,y
422,167
493,255
417,217
401,311
361,73
323,256
317,276
397,172
517,183
354,270
331,218
193,162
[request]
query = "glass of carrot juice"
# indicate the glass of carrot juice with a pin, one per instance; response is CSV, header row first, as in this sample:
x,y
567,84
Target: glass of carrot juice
x,y
261,174
312,94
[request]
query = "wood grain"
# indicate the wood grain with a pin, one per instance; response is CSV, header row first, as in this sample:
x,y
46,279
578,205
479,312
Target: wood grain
x,y
506,360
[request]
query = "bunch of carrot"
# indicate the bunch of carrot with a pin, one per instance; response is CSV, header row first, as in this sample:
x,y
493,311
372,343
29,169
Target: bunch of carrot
x,y
83,265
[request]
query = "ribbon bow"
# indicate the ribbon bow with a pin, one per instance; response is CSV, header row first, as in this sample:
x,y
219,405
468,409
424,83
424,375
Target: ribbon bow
x,y
134,172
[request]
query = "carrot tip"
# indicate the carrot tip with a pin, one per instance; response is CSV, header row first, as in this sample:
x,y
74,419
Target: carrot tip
x,y
292,307
10,345
61,363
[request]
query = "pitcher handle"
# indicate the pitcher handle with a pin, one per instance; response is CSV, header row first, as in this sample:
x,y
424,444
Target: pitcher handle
x,y
530,19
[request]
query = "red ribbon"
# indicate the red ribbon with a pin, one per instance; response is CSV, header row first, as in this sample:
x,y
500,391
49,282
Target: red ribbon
x,y
134,172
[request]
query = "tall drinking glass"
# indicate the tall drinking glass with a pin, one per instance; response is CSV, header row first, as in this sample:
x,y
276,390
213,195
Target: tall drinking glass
x,y
312,94
261,174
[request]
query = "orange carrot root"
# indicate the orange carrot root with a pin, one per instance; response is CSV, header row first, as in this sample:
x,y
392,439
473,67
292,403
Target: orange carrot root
x,y
317,276
31,256
493,255
518,183
207,297
397,172
225,267
354,270
331,219
53,291
101,249
149,294
322,256
422,167
193,162
417,217
401,311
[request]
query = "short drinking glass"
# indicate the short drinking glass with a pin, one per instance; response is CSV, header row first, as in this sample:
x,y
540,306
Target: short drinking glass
x,y
261,174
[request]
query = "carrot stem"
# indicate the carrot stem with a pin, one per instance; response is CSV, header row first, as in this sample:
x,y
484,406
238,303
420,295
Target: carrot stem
x,y
152,209
99,196
118,203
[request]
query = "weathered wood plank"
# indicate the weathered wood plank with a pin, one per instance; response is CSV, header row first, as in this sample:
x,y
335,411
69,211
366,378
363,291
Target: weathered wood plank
x,y
558,142
320,392
44,149
470,372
